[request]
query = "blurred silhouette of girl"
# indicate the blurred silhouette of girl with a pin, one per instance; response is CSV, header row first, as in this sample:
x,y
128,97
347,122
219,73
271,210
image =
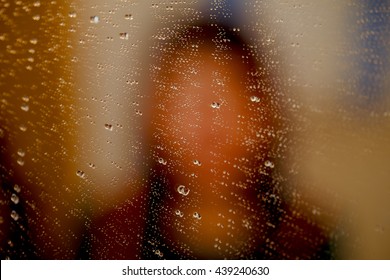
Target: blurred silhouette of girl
x,y
217,132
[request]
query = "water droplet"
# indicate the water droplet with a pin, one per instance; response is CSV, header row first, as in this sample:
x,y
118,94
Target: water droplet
x,y
197,162
34,41
20,162
124,35
316,212
183,190
23,128
14,215
196,215
129,16
25,107
93,166
215,105
72,14
26,98
159,253
255,99
246,224
17,188
21,153
162,161
108,126
269,164
37,4
94,19
80,173
1,133
179,213
14,198
36,17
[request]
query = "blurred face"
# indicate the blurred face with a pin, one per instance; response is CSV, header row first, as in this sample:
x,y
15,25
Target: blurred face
x,y
206,131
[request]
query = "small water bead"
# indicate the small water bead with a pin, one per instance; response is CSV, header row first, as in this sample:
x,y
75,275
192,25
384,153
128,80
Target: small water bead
x,y
80,174
17,188
14,215
94,19
179,213
197,216
246,224
37,4
183,190
93,166
1,133
72,14
124,35
21,153
36,17
255,99
269,164
197,162
129,16
26,98
14,198
34,41
162,161
159,253
23,128
108,126
20,162
25,107
215,105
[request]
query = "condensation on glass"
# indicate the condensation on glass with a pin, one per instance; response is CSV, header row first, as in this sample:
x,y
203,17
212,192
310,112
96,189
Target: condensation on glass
x,y
194,129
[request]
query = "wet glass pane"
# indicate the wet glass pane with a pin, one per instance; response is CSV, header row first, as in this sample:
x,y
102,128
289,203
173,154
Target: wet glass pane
x,y
194,129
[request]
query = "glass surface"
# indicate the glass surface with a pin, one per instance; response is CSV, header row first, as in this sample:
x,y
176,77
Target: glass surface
x,y
194,129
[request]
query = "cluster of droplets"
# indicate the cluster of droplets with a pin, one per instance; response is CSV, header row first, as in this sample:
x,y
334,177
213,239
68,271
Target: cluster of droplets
x,y
197,216
21,155
94,19
124,35
108,126
255,99
197,162
215,105
269,164
129,16
15,200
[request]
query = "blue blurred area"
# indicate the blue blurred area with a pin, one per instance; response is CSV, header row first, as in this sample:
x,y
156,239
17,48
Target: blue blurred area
x,y
226,12
372,20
